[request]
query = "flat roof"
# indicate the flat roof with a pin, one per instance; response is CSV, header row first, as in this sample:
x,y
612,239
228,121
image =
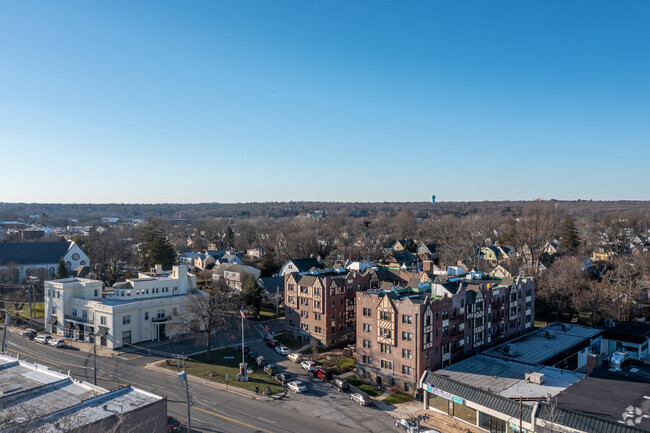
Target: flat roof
x,y
534,348
34,393
507,378
617,396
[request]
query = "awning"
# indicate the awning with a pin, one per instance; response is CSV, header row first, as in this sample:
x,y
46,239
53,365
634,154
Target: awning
x,y
52,321
102,331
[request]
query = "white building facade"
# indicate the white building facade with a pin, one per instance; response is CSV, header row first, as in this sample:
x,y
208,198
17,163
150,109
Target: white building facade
x,y
137,310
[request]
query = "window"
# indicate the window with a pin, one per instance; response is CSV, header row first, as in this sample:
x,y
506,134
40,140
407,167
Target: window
x,y
161,314
513,297
478,321
303,289
366,344
84,314
290,287
95,293
317,316
316,304
528,292
53,310
317,291
407,370
102,320
318,329
146,315
290,299
445,315
407,354
388,365
407,336
304,301
445,330
367,327
304,314
58,295
366,359
385,316
386,333
367,312
407,319
305,326
126,319
74,312
385,348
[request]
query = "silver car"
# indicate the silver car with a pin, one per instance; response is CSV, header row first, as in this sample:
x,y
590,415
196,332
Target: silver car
x,y
362,399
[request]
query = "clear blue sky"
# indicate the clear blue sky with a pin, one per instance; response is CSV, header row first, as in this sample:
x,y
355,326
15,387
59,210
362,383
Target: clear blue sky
x,y
238,101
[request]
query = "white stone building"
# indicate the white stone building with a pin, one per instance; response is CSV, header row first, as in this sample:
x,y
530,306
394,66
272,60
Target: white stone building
x,y
137,310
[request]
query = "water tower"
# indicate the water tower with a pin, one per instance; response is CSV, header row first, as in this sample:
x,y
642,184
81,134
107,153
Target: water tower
x,y
433,199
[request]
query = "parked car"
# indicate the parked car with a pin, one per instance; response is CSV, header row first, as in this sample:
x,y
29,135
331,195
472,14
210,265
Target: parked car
x,y
252,355
28,333
340,384
308,365
173,425
271,369
297,386
282,350
362,399
405,424
322,374
284,378
295,357
43,339
271,343
57,342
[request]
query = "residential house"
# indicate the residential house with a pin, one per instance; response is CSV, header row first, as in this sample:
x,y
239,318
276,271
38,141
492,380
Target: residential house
x,y
234,274
23,259
427,251
495,254
255,253
300,266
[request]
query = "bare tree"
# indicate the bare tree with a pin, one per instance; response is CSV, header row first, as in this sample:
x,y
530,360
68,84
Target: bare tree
x,y
562,279
207,313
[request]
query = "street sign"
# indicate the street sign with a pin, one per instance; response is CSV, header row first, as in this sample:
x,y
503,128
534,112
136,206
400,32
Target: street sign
x,y
181,377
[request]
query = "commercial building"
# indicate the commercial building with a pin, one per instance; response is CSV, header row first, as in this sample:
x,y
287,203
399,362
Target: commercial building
x,y
139,309
322,305
402,332
632,338
36,399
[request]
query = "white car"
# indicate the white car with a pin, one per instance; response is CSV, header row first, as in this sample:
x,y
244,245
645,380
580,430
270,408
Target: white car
x,y
57,342
297,386
283,350
295,357
43,339
362,399
308,365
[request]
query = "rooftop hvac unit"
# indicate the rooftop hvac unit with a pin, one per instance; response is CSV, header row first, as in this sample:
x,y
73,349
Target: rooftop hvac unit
x,y
534,377
565,327
509,350
609,323
549,334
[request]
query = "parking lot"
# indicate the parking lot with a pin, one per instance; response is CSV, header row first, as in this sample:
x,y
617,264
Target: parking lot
x,y
321,400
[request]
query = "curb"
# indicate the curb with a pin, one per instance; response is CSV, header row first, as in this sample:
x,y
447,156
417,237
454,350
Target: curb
x,y
219,386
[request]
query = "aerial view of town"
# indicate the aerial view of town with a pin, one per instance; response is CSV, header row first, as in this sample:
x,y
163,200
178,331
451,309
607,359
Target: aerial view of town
x,y
294,216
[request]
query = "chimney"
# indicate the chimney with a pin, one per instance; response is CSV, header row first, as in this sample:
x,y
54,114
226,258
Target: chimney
x,y
592,363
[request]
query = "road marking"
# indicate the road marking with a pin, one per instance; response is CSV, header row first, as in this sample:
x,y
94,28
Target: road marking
x,y
266,420
36,357
224,417
135,357
109,380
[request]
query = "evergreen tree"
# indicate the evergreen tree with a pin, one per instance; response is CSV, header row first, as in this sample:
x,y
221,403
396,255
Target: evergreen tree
x,y
155,249
569,241
62,271
252,294
268,265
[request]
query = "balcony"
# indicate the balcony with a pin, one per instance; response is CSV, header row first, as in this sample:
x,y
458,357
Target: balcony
x,y
78,319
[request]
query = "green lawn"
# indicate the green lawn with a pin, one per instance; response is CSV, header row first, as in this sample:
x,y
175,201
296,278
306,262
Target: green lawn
x,y
345,365
289,342
220,366
397,398
38,310
370,390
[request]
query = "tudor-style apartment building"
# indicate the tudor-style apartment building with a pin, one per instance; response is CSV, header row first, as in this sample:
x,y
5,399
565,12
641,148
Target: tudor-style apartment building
x,y
403,332
321,305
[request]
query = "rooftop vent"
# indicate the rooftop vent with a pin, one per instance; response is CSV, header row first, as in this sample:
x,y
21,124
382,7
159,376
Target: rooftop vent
x,y
549,334
565,327
509,350
534,377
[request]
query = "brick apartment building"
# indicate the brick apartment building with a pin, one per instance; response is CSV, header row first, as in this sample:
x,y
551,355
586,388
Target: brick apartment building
x,y
401,333
322,306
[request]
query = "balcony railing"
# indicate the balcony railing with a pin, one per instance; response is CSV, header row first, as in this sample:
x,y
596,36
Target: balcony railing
x,y
78,319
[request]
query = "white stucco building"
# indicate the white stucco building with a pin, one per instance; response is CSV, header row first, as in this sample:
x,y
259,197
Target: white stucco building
x,y
137,310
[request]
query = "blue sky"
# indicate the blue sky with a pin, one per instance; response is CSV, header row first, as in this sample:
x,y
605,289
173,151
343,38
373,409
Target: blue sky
x,y
238,101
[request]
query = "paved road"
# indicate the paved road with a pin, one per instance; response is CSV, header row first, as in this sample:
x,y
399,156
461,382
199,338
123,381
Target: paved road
x,y
320,410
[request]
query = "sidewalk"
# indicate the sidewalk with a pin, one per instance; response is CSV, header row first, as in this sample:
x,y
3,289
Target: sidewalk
x,y
220,386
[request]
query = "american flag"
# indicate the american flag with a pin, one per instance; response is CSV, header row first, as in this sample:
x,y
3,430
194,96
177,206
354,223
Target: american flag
x,y
241,310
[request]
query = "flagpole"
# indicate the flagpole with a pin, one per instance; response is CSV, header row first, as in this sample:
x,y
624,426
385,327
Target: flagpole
x,y
242,336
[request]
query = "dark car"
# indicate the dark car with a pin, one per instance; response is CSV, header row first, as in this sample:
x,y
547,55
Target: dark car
x,y
323,374
28,333
252,355
340,384
284,378
271,342
173,425
261,361
271,369
246,349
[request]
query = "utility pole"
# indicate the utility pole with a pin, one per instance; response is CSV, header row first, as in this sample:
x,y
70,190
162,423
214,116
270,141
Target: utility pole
x,y
187,392
4,332
95,358
520,414
277,302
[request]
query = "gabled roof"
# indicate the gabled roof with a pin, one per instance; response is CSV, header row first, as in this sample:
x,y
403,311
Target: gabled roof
x,y
27,253
305,265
